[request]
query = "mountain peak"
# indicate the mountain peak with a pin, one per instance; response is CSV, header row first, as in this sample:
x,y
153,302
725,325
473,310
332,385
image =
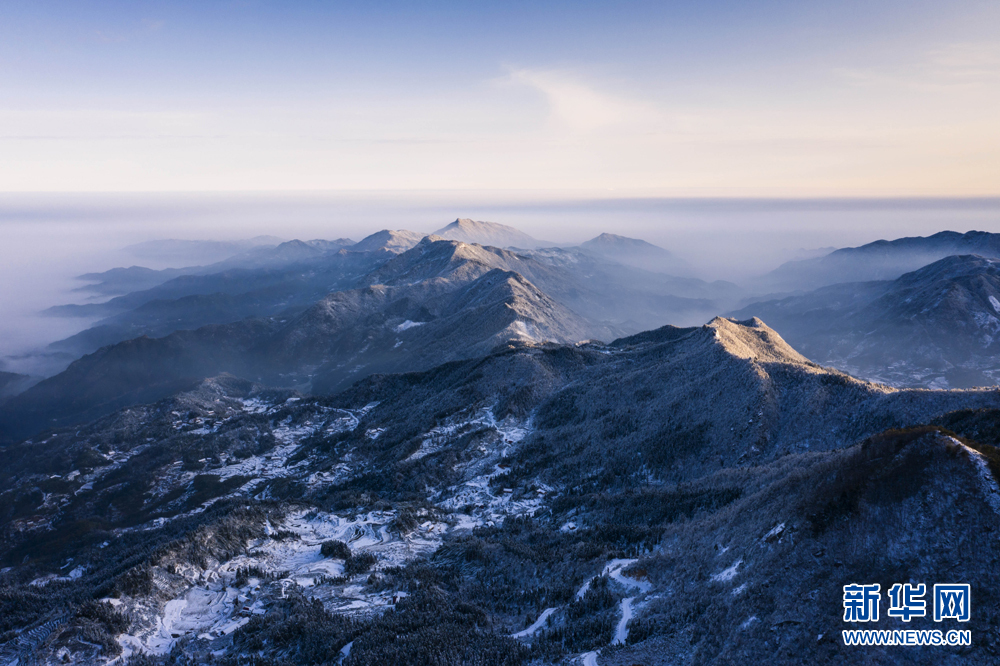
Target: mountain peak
x,y
753,339
607,240
635,252
395,241
487,233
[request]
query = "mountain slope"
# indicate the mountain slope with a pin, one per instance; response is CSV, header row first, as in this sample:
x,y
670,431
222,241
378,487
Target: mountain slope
x,y
881,260
696,495
12,383
591,286
443,300
937,326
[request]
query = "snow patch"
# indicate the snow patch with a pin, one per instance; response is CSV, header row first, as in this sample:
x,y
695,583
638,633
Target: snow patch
x,y
213,606
987,483
407,325
621,631
537,624
727,575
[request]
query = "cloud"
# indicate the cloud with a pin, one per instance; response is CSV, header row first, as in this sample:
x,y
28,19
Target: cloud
x,y
947,67
965,63
575,106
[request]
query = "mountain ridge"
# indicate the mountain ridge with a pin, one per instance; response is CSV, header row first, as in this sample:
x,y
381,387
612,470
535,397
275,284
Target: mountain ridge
x,y
936,326
879,260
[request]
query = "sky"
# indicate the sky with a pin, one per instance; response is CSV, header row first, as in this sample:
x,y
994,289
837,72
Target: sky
x,y
571,99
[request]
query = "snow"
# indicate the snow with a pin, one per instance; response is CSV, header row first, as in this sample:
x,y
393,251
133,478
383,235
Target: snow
x,y
614,570
995,303
589,658
988,322
775,532
465,522
537,624
407,325
252,406
727,575
987,483
197,611
42,581
212,605
621,631
510,430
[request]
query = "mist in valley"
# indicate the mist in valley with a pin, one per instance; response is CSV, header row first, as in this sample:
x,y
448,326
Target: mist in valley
x,y
51,240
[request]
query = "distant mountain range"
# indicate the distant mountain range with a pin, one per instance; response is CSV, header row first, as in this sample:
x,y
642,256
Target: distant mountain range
x,y
439,301
197,251
635,252
137,278
283,281
938,326
881,260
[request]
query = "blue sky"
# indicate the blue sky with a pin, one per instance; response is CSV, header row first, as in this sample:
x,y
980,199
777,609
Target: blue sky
x,y
606,99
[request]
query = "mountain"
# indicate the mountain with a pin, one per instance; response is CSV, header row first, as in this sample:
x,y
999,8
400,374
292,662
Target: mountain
x,y
601,290
680,496
140,285
439,301
635,252
12,383
936,327
190,301
629,297
121,280
881,260
488,233
391,241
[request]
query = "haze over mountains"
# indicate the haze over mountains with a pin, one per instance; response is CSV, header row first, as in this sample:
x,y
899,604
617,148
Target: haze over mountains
x,y
881,260
936,326
415,448
341,302
635,252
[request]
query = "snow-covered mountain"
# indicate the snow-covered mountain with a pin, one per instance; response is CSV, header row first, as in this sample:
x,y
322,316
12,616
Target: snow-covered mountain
x,y
938,326
488,233
539,504
396,241
439,301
